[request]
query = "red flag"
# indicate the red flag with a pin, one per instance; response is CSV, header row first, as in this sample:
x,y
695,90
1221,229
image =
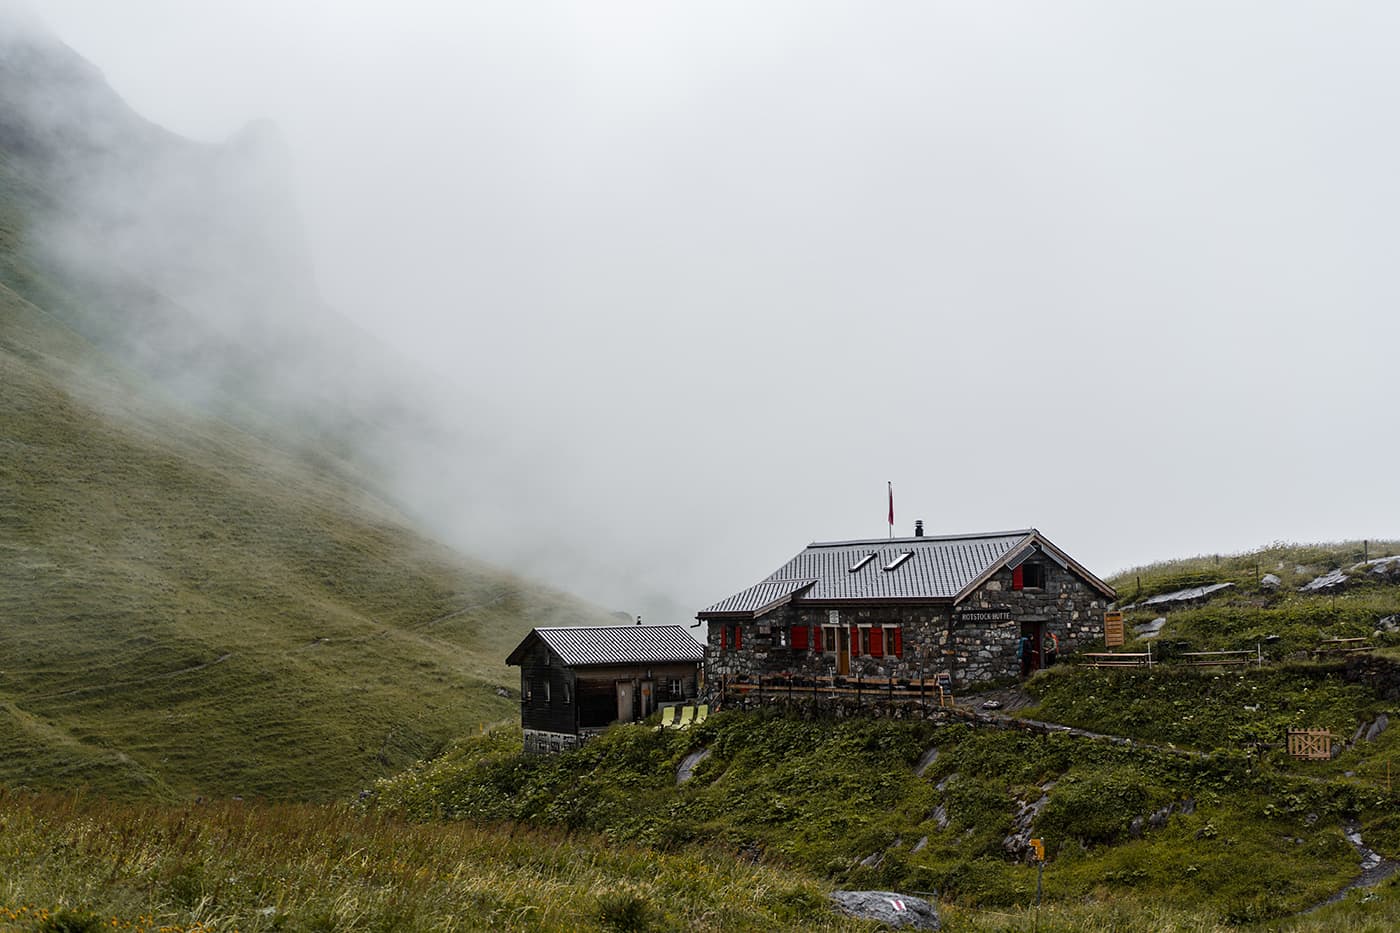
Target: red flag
x,y
891,487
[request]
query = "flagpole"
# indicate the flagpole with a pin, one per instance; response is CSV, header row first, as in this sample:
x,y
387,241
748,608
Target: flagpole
x,y
890,486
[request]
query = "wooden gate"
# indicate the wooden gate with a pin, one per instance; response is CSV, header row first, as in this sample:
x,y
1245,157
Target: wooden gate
x,y
1310,744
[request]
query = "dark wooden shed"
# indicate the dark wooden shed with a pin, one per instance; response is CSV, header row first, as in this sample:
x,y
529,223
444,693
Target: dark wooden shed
x,y
575,682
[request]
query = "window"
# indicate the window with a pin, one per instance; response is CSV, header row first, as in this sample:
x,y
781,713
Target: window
x,y
894,564
548,694
894,641
731,636
568,694
780,637
864,642
675,688
829,639
862,562
1028,576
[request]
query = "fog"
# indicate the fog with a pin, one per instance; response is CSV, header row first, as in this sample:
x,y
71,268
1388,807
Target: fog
x,y
697,281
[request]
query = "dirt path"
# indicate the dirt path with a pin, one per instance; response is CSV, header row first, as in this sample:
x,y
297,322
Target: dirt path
x,y
131,683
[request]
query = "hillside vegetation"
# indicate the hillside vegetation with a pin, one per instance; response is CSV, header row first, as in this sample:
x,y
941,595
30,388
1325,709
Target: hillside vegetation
x,y
842,800
200,592
188,610
87,865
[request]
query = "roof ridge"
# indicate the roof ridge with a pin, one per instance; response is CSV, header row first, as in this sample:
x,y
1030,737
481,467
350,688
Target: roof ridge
x,y
926,539
591,628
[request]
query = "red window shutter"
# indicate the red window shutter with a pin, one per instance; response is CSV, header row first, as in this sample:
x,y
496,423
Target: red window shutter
x,y
898,642
799,638
817,639
877,643
1018,579
855,641
738,637
723,632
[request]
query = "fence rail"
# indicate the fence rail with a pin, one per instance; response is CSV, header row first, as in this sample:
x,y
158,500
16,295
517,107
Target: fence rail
x,y
1117,658
920,692
1223,658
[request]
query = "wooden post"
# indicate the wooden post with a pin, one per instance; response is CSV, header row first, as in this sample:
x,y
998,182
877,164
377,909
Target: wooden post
x,y
859,678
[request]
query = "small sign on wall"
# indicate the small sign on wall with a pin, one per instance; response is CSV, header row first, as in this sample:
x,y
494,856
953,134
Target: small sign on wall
x,y
1113,629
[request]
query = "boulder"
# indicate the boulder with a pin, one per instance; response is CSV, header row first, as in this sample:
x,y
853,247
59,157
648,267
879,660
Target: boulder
x,y
1150,629
1270,581
1377,727
1327,581
686,771
900,911
926,761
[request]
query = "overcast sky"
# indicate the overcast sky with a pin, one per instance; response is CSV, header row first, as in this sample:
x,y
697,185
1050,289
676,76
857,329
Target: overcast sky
x,y
1122,272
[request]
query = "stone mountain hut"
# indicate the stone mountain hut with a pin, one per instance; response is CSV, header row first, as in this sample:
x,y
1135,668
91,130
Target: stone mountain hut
x,y
908,608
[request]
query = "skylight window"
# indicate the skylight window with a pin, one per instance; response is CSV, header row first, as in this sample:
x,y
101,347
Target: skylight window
x,y
894,564
862,562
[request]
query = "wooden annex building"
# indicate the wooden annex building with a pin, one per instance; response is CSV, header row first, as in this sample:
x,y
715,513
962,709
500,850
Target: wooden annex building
x,y
919,607
575,682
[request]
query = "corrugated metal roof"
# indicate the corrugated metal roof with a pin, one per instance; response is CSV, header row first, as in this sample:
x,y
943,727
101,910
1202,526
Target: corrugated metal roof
x,y
617,644
937,568
760,597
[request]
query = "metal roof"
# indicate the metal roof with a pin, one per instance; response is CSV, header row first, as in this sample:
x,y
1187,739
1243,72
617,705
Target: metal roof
x,y
616,644
937,568
761,597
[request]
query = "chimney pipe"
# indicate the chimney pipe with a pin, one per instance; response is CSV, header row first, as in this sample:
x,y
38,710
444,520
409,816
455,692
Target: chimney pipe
x,y
919,528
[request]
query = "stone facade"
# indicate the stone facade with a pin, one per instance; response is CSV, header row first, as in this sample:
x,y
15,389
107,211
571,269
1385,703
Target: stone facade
x,y
972,642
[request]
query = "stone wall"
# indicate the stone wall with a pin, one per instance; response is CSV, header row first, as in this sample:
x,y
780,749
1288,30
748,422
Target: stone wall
x,y
973,642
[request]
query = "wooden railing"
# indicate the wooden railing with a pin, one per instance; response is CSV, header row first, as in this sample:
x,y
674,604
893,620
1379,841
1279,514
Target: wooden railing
x,y
1117,658
1341,646
1223,658
776,688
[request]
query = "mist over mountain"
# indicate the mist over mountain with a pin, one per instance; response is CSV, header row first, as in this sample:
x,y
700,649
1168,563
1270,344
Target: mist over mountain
x,y
188,261
209,582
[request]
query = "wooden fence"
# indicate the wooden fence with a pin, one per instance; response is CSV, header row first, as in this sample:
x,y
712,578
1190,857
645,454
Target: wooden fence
x,y
1310,744
1117,658
836,693
1341,646
1223,658
1241,658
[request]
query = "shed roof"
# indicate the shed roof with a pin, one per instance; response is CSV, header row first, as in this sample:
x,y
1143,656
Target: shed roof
x,y
935,569
615,644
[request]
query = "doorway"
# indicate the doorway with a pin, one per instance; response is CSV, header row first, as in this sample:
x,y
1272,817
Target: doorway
x,y
624,701
1035,631
843,651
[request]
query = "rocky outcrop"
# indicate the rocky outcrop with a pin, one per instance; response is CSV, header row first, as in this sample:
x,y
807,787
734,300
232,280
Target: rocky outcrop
x,y
899,911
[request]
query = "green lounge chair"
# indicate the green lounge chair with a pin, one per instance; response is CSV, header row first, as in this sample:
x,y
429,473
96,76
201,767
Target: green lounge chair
x,y
687,714
668,717
701,714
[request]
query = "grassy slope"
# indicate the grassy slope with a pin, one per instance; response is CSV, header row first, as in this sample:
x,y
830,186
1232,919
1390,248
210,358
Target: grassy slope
x,y
1294,564
322,642
822,797
104,866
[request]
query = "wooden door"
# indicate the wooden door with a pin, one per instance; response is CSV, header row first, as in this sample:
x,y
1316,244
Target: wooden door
x,y
1036,632
624,701
843,650
648,697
